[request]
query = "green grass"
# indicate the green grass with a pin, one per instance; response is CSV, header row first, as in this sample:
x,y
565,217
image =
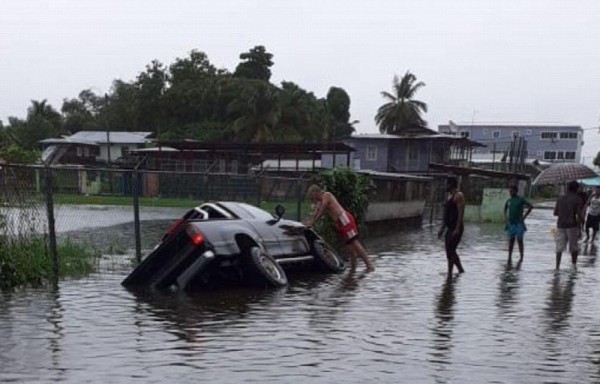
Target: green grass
x,y
27,262
269,206
123,200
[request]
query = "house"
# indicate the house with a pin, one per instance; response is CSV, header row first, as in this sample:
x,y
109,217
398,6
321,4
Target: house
x,y
404,154
547,142
399,167
92,147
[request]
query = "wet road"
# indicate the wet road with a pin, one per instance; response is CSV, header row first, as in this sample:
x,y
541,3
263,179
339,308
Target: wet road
x,y
403,323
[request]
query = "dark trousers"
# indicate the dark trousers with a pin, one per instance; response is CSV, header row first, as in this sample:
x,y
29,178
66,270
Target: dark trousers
x,y
451,243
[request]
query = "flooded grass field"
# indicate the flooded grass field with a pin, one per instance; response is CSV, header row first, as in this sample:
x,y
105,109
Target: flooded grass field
x,y
403,323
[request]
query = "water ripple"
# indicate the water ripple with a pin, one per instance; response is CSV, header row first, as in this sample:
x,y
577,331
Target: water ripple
x,y
404,323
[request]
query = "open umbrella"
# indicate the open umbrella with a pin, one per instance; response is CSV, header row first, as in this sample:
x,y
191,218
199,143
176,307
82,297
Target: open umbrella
x,y
564,172
593,182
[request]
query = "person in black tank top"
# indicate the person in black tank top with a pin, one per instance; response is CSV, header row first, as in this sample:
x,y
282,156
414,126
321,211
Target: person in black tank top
x,y
453,224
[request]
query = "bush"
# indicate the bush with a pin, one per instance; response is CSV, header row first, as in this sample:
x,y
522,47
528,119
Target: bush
x,y
352,191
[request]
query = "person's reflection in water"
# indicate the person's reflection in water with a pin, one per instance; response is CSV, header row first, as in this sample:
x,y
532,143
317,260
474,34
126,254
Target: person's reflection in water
x,y
591,251
442,330
560,301
507,290
329,303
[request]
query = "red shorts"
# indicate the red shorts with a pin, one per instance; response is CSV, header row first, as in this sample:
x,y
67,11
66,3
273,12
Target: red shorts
x,y
346,227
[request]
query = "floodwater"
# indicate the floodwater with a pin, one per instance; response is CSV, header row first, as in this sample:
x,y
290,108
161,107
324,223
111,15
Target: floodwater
x,y
403,323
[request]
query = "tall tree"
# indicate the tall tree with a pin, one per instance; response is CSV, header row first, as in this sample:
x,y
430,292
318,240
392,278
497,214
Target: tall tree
x,y
401,113
81,114
151,86
42,121
256,64
256,112
192,90
338,107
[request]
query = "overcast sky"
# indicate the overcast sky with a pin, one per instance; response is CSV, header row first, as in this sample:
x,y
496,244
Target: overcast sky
x,y
482,60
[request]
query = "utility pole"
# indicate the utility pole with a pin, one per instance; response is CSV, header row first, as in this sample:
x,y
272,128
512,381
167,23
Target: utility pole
x,y
107,123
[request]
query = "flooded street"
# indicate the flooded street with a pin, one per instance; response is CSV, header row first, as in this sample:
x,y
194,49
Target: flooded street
x,y
403,323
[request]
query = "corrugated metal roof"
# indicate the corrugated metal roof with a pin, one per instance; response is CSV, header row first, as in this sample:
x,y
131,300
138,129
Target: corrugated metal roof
x,y
100,137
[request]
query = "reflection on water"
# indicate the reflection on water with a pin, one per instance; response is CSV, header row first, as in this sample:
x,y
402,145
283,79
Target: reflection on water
x,y
442,330
403,323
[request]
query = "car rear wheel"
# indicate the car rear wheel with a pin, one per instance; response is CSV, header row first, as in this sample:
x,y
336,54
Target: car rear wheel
x,y
267,269
326,258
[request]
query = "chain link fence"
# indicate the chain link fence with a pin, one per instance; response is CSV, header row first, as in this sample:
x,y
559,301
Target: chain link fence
x,y
125,212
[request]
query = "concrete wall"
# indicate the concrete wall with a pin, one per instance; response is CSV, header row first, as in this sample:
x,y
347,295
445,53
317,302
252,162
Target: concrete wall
x,y
395,210
491,209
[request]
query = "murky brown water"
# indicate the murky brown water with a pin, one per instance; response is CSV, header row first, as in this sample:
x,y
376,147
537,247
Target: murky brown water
x,y
403,323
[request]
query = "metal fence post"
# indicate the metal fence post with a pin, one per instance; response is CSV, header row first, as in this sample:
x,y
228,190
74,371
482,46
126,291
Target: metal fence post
x,y
51,222
298,200
136,215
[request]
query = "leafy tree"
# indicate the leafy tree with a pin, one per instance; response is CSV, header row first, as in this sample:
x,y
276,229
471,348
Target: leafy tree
x,y
256,112
150,87
42,121
256,64
402,113
192,92
17,155
82,114
121,110
338,107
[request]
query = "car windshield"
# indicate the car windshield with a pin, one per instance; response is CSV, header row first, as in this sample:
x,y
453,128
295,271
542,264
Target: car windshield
x,y
255,212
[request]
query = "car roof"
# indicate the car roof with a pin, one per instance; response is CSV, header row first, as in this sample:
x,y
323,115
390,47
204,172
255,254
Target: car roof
x,y
242,210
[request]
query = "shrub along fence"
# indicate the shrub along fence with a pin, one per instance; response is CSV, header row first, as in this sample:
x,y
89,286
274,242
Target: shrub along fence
x,y
121,211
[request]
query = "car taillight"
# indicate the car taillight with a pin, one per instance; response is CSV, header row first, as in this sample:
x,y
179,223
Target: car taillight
x,y
196,237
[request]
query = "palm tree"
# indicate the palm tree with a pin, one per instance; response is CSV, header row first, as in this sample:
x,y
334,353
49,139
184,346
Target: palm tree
x,y
258,112
401,113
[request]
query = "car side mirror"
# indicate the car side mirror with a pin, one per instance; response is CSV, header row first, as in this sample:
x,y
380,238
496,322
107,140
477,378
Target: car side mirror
x,y
279,211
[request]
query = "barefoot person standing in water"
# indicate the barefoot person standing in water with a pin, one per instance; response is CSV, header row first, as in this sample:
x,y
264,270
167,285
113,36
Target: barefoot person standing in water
x,y
344,221
454,211
516,210
568,211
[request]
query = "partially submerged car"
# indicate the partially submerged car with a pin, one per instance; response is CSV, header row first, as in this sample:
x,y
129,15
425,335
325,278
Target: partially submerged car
x,y
231,241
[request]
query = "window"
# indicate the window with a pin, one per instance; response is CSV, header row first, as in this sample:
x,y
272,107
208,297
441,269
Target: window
x,y
549,135
371,152
79,152
222,166
485,131
568,135
560,155
496,134
465,134
528,132
569,155
95,151
550,155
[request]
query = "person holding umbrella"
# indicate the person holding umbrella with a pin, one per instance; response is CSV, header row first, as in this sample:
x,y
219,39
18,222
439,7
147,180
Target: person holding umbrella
x,y
568,211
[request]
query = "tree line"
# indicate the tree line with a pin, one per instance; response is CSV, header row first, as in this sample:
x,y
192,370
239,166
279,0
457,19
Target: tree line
x,y
193,99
